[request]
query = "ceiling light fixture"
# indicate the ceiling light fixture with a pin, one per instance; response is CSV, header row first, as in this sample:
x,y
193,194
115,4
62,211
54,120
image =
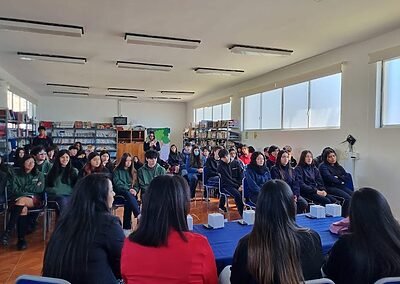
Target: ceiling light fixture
x,y
161,41
122,97
51,58
165,98
68,86
177,93
70,93
257,50
217,71
40,27
125,90
144,66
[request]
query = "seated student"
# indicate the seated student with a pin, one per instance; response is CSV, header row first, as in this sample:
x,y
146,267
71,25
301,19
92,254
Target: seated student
x,y
151,143
272,154
239,150
6,175
228,184
76,163
335,178
93,165
148,172
162,250
256,174
86,244
186,152
236,165
123,179
19,155
105,160
194,168
292,160
283,170
245,156
211,167
371,250
205,153
175,160
26,192
311,184
60,180
251,150
81,152
277,250
137,164
319,160
42,164
51,153
266,155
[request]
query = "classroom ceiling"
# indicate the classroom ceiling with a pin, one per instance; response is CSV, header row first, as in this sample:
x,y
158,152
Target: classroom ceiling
x,y
308,27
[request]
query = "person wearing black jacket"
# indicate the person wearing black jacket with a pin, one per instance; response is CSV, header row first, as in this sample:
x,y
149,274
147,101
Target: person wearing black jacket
x,y
175,160
311,184
211,166
151,143
228,184
335,178
42,139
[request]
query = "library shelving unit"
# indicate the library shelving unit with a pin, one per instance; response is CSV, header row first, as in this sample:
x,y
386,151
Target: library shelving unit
x,y
4,149
131,141
212,133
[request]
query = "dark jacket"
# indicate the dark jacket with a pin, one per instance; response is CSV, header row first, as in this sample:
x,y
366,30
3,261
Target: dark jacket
x,y
175,159
122,180
24,184
293,162
59,188
227,180
45,142
255,179
288,175
237,168
270,164
329,172
310,257
211,168
147,147
310,179
3,187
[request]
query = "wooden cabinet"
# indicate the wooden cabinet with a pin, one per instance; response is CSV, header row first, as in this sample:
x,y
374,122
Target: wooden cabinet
x,y
131,141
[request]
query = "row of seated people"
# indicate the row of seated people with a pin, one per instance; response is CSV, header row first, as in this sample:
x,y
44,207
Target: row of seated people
x,y
88,244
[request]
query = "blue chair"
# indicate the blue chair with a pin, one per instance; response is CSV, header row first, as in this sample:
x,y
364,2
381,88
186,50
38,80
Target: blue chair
x,y
319,281
388,280
247,202
209,185
33,279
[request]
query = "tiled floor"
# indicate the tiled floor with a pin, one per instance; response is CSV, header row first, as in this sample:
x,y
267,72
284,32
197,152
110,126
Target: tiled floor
x,y
14,263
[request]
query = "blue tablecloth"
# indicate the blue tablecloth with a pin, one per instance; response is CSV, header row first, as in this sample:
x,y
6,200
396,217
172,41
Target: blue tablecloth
x,y
224,241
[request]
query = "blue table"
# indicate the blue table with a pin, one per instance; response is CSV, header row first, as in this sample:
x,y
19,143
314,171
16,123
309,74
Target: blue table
x,y
224,241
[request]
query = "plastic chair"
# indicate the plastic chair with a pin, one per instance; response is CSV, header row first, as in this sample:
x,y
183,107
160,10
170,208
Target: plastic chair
x,y
42,210
388,280
247,203
209,186
320,281
225,275
34,279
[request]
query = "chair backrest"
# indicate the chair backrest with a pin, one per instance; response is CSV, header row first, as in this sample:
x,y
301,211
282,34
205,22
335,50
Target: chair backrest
x,y
34,279
225,275
319,281
388,280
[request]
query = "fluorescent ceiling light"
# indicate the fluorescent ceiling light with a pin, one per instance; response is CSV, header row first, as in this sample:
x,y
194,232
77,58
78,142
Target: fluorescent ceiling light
x,y
165,98
125,90
161,41
218,71
40,27
257,50
51,58
122,97
177,93
67,86
144,66
70,93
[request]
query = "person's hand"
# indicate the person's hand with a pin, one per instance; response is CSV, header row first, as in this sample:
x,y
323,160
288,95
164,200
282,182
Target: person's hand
x,y
133,192
321,193
176,169
295,198
336,176
200,170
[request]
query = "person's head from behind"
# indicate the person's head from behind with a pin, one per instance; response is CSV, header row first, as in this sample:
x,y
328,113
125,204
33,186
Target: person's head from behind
x,y
188,147
306,158
282,158
257,159
39,153
266,151
215,151
151,158
329,157
42,130
274,229
165,207
205,151
251,149
273,151
224,156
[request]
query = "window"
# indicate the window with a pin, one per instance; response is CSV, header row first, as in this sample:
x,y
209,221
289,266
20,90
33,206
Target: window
x,y
19,104
9,100
390,96
310,104
214,113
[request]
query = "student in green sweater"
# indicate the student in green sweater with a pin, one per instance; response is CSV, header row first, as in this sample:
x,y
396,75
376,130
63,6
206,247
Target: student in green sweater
x,y
42,164
148,172
123,179
26,190
60,180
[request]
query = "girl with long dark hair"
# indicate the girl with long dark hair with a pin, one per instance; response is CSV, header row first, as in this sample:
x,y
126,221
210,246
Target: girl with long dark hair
x,y
93,165
175,160
86,244
284,171
256,174
166,250
19,155
61,179
277,250
311,184
26,191
371,250
124,177
194,167
106,161
211,166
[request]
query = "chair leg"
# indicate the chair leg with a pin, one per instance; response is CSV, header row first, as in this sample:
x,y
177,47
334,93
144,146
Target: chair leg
x,y
44,224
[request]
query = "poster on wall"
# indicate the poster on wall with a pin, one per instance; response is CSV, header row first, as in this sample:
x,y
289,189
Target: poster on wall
x,y
162,136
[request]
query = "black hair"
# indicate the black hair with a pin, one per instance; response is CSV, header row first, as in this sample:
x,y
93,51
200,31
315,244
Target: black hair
x,y
73,147
253,158
215,149
326,153
272,148
41,127
165,207
67,253
151,154
302,160
188,144
223,153
266,149
122,161
279,165
37,149
68,176
34,171
195,161
251,149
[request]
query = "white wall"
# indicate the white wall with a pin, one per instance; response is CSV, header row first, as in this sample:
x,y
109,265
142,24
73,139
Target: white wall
x,y
148,114
378,148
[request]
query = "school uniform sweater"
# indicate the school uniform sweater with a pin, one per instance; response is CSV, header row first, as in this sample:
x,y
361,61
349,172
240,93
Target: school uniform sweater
x,y
227,180
44,167
328,173
288,175
122,180
310,179
146,175
24,184
255,178
211,168
59,188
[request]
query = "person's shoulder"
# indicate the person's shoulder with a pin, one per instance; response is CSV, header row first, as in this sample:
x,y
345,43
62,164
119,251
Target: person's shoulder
x,y
196,239
309,236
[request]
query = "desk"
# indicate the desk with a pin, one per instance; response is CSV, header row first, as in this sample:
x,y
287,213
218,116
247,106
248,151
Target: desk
x,y
224,241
